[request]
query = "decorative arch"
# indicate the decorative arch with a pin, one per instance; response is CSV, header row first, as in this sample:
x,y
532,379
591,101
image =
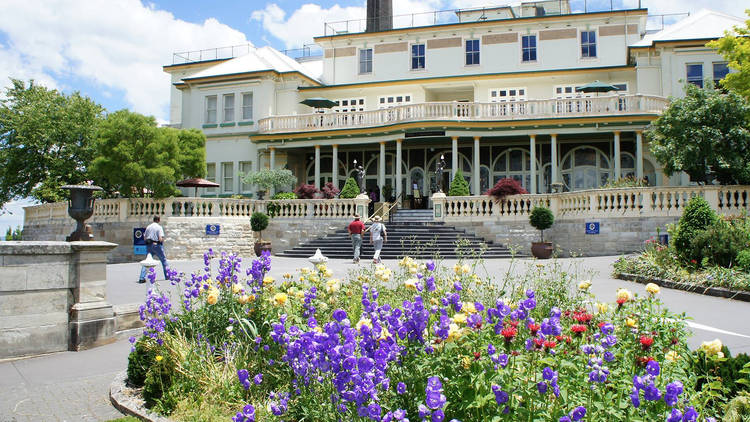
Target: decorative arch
x,y
514,163
585,167
463,163
326,171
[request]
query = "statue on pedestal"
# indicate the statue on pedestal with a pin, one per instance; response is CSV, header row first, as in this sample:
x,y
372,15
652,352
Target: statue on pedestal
x,y
360,177
439,173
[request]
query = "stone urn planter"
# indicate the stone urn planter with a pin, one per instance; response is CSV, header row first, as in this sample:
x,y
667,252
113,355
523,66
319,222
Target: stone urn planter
x,y
81,208
542,250
262,245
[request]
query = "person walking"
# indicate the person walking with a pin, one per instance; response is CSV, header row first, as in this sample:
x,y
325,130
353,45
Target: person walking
x,y
154,236
355,229
378,236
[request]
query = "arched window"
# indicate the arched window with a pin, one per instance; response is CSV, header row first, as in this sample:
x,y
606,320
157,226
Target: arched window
x,y
463,163
484,180
514,163
372,167
326,171
585,168
627,165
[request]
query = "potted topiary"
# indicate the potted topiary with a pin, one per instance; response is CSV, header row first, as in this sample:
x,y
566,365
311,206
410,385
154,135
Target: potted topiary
x,y
265,180
258,223
541,218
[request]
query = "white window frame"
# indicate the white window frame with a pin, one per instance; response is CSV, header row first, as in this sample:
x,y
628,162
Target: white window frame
x,y
478,52
227,187
383,100
211,176
246,106
536,47
246,167
207,115
713,72
423,56
227,112
360,61
508,104
348,105
589,43
694,80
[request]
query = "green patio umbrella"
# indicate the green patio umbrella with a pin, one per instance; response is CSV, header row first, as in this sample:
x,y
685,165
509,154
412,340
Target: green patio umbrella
x,y
319,102
597,86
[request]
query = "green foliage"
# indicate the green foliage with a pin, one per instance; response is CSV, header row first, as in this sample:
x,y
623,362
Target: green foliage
x,y
736,50
704,132
158,381
46,141
258,222
140,360
134,157
14,234
459,185
743,260
625,182
350,190
274,209
267,179
738,409
698,216
541,218
719,244
733,373
284,195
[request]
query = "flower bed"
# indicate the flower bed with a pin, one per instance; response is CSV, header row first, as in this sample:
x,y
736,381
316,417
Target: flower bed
x,y
422,342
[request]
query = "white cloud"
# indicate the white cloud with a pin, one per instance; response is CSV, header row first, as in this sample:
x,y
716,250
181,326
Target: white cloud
x,y
115,44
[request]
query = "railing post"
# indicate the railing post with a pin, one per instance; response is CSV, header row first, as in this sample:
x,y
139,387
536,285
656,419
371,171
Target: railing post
x,y
124,209
438,206
711,195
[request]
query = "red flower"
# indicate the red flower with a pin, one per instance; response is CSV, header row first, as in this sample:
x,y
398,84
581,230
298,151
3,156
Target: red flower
x,y
692,261
538,343
477,355
534,328
621,301
646,342
582,317
564,338
578,329
509,333
675,340
549,344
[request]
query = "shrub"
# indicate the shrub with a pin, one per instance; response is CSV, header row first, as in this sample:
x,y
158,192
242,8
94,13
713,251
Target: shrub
x,y
330,191
459,185
273,209
718,245
284,195
743,260
625,182
259,222
158,380
541,218
305,191
267,179
140,360
698,216
506,187
351,190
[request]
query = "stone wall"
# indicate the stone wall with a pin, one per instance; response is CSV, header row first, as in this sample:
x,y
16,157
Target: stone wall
x,y
616,235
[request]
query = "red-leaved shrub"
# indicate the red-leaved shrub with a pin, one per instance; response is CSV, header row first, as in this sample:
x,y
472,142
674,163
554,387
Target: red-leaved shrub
x,y
330,191
304,191
505,187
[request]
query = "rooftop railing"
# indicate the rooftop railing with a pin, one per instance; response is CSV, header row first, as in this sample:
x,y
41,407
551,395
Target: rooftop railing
x,y
455,111
217,53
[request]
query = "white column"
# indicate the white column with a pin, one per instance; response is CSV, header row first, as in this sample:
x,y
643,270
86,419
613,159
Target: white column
x,y
454,159
639,155
335,168
398,167
381,169
553,157
317,167
532,159
272,163
618,171
475,172
254,166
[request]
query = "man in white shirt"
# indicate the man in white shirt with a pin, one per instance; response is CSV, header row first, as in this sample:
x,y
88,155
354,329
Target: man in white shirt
x,y
154,236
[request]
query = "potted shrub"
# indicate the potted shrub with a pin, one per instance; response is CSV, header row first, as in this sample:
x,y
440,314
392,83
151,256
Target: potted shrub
x,y
258,223
267,179
350,190
459,185
541,218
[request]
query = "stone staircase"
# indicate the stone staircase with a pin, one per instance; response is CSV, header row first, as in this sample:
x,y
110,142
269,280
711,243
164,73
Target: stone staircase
x,y
410,233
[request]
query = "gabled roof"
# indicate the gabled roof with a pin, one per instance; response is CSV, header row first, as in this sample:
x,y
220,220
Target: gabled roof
x,y
704,25
264,59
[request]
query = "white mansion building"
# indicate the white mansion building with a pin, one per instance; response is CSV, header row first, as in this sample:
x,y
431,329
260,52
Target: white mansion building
x,y
493,90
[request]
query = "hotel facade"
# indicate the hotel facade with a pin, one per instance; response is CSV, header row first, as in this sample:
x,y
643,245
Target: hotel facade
x,y
494,91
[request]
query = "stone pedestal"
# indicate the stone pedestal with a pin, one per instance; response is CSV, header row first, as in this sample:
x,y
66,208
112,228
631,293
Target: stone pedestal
x,y
362,200
92,319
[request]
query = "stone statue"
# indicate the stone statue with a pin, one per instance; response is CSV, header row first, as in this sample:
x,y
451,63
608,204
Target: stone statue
x,y
439,173
360,177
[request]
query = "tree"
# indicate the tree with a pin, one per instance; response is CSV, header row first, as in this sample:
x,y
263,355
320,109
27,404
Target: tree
x,y
14,234
267,179
46,141
134,157
350,190
707,131
459,185
541,218
736,49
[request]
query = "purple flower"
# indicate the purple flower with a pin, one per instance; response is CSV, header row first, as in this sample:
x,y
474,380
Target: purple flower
x,y
542,387
690,415
651,393
578,413
491,349
652,367
247,414
501,397
438,416
244,378
430,265
548,374
373,411
675,416
401,388
635,397
675,388
258,379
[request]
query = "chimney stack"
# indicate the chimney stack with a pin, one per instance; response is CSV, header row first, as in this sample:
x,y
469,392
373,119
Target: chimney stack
x,y
379,15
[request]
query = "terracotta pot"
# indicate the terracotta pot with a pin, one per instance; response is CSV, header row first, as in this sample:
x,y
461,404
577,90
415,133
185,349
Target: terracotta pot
x,y
262,246
542,250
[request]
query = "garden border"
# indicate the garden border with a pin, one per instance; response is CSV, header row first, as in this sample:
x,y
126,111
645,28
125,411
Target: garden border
x,y
687,287
128,401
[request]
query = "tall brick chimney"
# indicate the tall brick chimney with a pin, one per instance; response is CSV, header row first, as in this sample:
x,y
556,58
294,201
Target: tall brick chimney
x,y
379,15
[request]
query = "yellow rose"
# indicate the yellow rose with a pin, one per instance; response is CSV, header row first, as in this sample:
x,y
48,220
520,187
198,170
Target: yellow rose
x,y
313,278
632,323
288,276
466,362
466,269
712,347
412,270
328,273
469,307
653,288
280,299
322,268
362,322
159,358
624,294
457,268
459,318
454,332
584,285
602,307
267,280
671,356
333,285
243,299
236,288
304,270
411,283
384,334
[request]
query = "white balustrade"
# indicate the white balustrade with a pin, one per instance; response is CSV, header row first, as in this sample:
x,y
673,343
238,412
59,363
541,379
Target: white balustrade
x,y
519,110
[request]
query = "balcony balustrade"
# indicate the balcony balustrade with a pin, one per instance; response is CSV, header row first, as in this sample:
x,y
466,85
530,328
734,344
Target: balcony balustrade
x,y
620,105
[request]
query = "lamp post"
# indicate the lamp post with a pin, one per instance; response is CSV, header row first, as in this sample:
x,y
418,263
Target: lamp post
x,y
81,208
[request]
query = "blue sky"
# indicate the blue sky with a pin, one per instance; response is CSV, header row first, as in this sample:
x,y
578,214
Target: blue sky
x,y
113,50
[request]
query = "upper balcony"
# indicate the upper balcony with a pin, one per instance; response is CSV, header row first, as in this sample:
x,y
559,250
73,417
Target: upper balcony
x,y
621,105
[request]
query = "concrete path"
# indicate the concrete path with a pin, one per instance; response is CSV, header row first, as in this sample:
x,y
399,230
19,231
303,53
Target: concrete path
x,y
74,386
